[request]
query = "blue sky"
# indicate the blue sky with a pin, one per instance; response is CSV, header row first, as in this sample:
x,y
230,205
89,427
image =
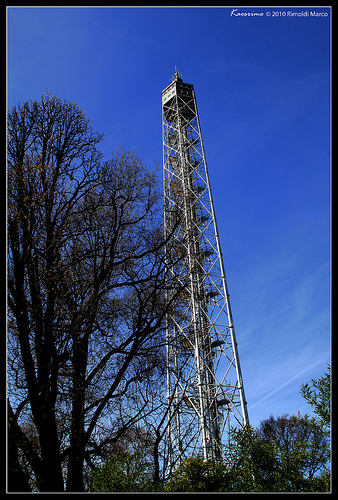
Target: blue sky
x,y
263,93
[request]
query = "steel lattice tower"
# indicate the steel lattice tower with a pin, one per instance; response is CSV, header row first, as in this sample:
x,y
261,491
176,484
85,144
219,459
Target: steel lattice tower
x,y
205,392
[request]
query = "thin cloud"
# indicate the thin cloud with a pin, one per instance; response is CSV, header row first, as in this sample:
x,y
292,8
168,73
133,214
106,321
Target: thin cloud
x,y
289,381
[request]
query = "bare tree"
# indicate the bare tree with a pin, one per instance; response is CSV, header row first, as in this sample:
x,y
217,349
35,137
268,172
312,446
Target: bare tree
x,y
86,282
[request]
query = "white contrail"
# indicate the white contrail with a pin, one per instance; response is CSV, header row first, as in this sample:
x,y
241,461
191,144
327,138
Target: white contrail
x,y
284,384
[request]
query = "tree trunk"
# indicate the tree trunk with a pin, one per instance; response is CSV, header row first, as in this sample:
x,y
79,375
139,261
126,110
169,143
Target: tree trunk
x,y
17,480
75,470
51,469
156,457
77,436
52,480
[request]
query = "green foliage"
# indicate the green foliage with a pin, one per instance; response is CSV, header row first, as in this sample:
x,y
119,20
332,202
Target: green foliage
x,y
318,395
195,474
123,472
284,454
320,483
252,463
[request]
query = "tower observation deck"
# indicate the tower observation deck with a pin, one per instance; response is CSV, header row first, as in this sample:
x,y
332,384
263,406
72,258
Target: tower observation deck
x,y
205,393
